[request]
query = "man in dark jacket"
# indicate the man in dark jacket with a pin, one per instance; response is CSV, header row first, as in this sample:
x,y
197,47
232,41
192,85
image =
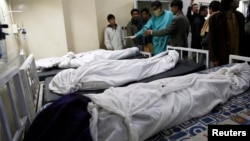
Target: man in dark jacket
x,y
192,11
226,33
133,26
196,27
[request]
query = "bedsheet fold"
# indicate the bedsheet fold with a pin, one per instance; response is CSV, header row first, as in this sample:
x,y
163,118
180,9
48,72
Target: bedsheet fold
x,y
73,60
111,73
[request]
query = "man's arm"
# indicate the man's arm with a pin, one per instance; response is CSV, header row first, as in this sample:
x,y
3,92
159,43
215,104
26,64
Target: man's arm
x,y
189,13
147,26
130,42
107,40
163,32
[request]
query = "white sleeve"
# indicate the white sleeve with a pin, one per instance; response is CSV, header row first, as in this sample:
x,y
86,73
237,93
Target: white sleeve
x,y
107,39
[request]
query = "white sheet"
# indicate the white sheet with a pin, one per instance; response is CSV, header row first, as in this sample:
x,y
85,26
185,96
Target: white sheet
x,y
72,60
106,73
141,110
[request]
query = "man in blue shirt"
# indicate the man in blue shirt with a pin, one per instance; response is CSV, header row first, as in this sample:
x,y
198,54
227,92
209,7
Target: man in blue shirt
x,y
161,19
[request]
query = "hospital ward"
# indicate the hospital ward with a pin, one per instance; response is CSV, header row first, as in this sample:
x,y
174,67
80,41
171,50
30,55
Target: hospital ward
x,y
124,70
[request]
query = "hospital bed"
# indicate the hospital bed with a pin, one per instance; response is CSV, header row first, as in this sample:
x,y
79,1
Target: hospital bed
x,y
27,82
42,74
234,112
15,73
47,67
182,67
192,52
142,124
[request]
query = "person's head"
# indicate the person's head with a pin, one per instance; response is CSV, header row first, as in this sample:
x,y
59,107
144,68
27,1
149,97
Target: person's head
x,y
203,11
229,4
111,19
134,13
145,14
157,8
195,8
214,6
176,6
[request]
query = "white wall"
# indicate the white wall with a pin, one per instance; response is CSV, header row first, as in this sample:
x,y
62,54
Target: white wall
x,y
10,41
45,27
81,25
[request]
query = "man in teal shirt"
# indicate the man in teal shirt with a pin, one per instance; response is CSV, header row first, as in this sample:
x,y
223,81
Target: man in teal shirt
x,y
161,19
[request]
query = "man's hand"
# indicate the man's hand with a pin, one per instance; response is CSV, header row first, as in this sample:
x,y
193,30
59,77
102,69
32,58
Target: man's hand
x,y
147,32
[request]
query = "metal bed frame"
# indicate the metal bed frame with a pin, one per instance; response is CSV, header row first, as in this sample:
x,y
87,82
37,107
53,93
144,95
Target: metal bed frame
x,y
191,50
14,117
31,85
232,58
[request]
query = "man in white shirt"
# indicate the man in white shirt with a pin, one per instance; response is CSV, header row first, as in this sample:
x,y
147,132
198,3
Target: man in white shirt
x,y
114,37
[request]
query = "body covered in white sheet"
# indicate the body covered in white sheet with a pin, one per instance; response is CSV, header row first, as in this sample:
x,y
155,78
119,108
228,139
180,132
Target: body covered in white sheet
x,y
106,73
141,110
72,60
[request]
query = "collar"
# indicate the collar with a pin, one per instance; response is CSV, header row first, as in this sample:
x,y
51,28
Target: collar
x,y
112,26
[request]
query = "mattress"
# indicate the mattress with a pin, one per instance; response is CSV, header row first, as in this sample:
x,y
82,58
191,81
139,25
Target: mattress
x,y
48,73
182,67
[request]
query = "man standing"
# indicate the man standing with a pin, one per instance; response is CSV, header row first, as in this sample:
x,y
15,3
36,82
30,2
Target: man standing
x,y
226,33
147,40
178,29
133,26
193,11
161,19
198,22
113,34
214,7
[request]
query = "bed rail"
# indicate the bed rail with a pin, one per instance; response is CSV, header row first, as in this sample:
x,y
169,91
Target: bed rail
x,y
31,84
14,117
237,57
197,53
146,54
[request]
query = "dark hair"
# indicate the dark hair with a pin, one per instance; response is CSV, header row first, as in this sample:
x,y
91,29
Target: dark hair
x,y
225,5
156,3
194,4
133,10
110,16
203,7
177,3
214,5
145,10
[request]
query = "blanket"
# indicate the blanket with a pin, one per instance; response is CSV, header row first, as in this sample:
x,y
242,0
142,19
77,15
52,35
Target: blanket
x,y
141,110
106,73
72,60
